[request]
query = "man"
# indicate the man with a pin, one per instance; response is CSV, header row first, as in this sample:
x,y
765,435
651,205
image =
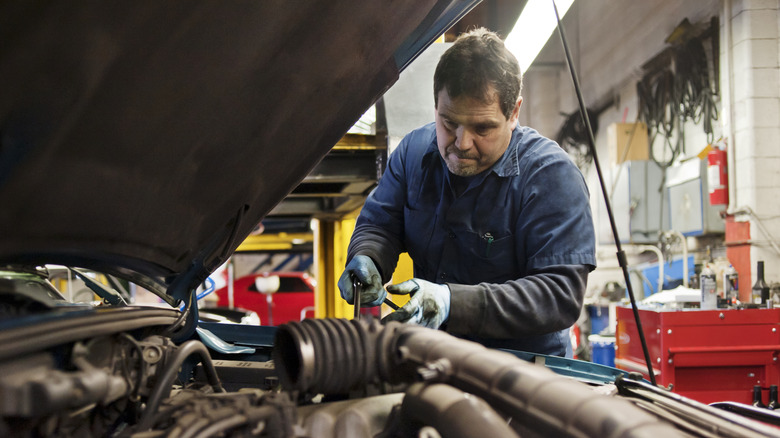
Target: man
x,y
495,216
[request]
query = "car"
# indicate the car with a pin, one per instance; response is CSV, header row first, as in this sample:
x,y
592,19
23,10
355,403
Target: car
x,y
143,141
291,298
25,290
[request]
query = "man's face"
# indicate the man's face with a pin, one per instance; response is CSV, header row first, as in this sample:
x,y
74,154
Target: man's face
x,y
472,135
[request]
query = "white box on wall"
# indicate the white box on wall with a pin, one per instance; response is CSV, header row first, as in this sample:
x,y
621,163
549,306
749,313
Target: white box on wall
x,y
637,204
690,211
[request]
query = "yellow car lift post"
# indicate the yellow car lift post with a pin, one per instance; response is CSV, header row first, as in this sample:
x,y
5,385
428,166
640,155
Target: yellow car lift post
x,y
330,252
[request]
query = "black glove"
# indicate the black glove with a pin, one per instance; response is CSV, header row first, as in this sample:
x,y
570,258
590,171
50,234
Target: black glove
x,y
363,269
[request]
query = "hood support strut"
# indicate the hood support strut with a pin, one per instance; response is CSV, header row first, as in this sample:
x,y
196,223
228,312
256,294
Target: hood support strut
x,y
621,255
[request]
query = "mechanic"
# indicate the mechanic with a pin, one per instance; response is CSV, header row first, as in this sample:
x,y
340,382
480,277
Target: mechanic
x,y
495,216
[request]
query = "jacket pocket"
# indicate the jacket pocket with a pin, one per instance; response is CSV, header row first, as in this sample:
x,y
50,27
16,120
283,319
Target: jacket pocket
x,y
491,258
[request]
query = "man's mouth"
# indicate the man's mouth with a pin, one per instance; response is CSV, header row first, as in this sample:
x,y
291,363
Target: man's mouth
x,y
462,157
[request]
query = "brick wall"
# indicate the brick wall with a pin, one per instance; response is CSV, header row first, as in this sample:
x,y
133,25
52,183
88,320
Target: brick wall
x,y
755,123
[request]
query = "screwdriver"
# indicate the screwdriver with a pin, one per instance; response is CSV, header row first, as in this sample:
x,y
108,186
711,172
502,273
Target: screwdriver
x,y
357,287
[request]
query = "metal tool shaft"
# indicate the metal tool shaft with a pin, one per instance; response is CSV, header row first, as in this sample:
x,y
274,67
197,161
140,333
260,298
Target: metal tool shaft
x,y
357,287
392,305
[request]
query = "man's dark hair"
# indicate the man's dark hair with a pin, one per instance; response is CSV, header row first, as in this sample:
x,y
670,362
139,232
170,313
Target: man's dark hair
x,y
475,61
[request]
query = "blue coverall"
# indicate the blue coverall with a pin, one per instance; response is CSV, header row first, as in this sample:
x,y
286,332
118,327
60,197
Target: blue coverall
x,y
515,245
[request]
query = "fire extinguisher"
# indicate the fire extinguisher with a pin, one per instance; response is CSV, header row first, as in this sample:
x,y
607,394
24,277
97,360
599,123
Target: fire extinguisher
x,y
717,177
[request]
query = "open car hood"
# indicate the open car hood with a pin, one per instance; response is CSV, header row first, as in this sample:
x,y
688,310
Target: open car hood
x,y
149,138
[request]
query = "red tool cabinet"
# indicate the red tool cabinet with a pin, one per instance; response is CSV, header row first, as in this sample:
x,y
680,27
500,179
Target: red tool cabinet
x,y
707,355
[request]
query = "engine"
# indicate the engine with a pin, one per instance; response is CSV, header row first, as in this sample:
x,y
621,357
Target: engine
x,y
328,378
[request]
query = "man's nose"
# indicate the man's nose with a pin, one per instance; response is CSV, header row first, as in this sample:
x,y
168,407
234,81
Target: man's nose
x,y
464,139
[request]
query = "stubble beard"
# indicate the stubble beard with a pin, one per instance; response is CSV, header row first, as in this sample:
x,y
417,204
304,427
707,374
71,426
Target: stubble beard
x,y
462,169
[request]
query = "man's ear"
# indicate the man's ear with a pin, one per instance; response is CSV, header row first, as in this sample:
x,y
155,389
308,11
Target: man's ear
x,y
515,113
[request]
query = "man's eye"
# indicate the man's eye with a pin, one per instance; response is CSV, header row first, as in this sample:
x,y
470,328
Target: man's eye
x,y
449,124
482,130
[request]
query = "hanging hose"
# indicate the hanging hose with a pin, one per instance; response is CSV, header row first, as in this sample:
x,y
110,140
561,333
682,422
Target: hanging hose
x,y
681,86
209,289
572,137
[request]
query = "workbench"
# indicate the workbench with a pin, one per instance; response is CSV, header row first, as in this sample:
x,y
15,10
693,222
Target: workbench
x,y
706,355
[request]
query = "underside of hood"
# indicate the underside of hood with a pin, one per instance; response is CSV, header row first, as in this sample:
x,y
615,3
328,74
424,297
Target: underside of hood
x,y
151,137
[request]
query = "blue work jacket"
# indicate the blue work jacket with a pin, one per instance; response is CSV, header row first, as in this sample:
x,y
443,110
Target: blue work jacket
x,y
515,247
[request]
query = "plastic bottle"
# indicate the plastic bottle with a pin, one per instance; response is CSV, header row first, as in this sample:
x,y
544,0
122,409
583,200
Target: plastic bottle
x,y
730,286
760,291
709,286
757,402
774,293
773,403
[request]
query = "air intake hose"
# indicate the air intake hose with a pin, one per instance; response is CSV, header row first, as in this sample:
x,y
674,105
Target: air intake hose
x,y
329,356
334,356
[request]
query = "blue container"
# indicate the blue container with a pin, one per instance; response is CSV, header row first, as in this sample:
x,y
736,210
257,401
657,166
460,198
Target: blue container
x,y
603,349
673,275
599,318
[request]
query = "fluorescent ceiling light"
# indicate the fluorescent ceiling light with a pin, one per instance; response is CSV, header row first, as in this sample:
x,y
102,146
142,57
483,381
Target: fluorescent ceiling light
x,y
366,125
533,29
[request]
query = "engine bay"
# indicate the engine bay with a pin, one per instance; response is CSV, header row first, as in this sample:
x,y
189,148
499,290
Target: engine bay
x,y
124,376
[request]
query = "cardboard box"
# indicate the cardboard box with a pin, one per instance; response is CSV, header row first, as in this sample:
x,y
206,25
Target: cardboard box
x,y
620,150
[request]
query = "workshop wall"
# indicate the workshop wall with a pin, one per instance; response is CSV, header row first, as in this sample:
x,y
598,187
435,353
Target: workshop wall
x,y
753,121
611,41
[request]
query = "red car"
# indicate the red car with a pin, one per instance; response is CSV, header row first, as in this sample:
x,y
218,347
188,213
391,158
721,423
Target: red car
x,y
291,295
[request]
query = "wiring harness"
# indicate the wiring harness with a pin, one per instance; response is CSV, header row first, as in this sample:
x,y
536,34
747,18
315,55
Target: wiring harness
x,y
573,137
680,85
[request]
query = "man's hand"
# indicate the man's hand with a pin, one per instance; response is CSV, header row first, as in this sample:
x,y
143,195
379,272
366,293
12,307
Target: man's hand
x,y
363,269
428,307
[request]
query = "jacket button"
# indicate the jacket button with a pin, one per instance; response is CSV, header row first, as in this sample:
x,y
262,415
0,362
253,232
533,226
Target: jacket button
x,y
443,275
452,235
